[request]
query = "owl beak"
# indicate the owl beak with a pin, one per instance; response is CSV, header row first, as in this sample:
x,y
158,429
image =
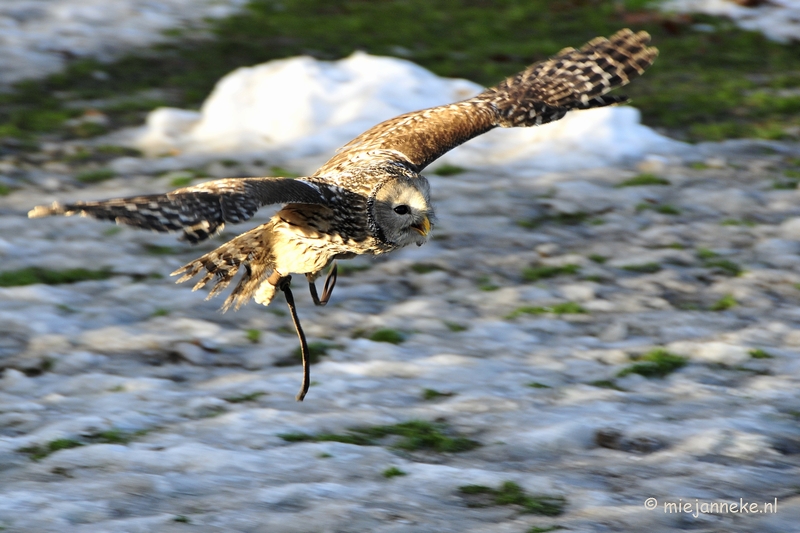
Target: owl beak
x,y
424,227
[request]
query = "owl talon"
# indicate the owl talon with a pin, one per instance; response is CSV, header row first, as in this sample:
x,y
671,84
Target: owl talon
x,y
284,284
327,288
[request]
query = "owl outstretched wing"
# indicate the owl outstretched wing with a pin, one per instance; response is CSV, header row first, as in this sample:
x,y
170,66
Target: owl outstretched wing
x,y
542,93
200,211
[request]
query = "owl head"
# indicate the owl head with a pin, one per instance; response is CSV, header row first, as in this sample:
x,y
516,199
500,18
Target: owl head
x,y
401,209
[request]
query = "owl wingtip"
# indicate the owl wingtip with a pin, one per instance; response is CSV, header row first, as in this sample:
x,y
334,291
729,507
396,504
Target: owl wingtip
x,y
46,210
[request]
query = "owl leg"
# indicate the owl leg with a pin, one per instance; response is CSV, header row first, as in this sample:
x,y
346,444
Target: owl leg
x,y
327,289
284,284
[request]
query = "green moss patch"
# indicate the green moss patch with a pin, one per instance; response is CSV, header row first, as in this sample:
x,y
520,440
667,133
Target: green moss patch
x,y
663,209
545,272
449,170
393,472
111,436
711,259
724,303
564,219
509,493
316,350
33,275
415,435
425,268
95,176
656,363
242,398
432,394
643,180
760,354
392,336
643,268
565,308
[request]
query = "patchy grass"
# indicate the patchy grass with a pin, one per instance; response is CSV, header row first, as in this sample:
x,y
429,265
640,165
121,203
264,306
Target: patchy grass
x,y
316,350
599,259
181,519
704,254
565,308
605,384
711,259
391,336
95,176
254,335
116,436
544,272
737,222
721,83
38,453
564,219
449,170
455,327
537,385
663,209
546,529
656,363
724,303
485,284
242,398
160,311
760,354
393,472
285,173
5,190
643,180
156,249
111,436
644,268
510,493
100,154
425,268
113,230
726,266
415,435
432,394
786,184
181,181
34,275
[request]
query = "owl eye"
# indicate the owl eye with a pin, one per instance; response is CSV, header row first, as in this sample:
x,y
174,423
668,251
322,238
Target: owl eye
x,y
402,210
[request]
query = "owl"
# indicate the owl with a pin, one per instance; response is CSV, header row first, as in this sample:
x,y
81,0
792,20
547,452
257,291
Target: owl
x,y
370,197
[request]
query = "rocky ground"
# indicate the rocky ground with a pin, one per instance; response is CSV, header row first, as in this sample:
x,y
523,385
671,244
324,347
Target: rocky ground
x,y
594,344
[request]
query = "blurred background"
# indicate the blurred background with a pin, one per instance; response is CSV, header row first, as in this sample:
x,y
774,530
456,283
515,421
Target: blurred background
x,y
712,81
571,341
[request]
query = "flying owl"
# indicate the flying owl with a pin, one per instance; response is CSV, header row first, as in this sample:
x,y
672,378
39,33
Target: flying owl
x,y
370,198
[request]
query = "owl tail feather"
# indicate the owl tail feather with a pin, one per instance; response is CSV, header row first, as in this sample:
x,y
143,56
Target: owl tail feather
x,y
250,252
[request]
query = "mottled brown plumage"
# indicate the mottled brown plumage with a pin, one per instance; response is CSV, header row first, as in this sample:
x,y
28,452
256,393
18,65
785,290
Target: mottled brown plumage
x,y
369,198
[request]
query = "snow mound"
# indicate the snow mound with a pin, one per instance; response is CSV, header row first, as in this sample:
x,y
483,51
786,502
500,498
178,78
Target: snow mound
x,y
301,107
779,20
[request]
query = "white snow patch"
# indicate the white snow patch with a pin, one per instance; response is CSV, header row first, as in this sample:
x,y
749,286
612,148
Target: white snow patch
x,y
779,20
301,107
